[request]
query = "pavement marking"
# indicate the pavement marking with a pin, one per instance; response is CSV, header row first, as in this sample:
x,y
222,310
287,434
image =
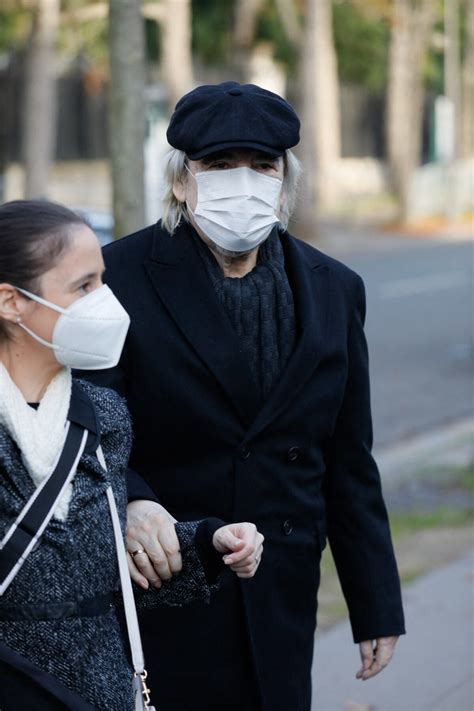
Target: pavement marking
x,y
424,284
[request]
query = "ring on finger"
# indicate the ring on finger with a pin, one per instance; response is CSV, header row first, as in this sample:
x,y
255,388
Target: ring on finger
x,y
139,550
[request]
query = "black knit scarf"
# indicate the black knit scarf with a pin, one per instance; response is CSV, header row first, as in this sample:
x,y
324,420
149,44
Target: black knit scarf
x,y
260,308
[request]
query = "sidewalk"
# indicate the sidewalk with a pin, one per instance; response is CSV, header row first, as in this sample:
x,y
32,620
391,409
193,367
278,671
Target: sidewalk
x,y
433,667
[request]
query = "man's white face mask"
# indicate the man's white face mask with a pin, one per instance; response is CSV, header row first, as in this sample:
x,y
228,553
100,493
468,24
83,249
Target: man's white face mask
x,y
236,208
90,333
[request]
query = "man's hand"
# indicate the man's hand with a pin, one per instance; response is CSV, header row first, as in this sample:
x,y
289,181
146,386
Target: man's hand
x,y
375,658
243,546
152,544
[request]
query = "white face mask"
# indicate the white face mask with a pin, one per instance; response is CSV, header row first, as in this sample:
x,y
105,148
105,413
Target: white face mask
x,y
236,207
90,333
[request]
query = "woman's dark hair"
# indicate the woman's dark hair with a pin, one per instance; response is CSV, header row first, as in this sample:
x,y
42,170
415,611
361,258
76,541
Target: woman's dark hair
x,y
33,235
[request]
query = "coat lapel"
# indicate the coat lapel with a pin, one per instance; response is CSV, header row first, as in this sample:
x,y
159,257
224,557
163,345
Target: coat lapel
x,y
178,275
310,284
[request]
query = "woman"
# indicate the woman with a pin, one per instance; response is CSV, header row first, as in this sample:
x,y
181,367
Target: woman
x,y
61,644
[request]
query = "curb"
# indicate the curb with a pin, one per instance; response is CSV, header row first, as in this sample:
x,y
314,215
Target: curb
x,y
449,446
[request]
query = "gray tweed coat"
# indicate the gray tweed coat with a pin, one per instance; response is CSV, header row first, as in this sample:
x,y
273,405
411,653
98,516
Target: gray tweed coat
x,y
76,559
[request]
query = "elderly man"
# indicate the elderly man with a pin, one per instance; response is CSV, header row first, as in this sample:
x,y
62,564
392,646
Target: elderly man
x,y
246,374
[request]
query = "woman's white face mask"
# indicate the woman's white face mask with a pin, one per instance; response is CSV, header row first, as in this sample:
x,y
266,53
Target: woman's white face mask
x,y
236,208
90,333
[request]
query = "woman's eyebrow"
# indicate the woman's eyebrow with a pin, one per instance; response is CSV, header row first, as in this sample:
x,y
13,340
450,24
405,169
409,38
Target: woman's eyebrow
x,y
85,277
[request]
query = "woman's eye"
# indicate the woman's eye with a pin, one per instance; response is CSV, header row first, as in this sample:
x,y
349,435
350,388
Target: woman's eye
x,y
266,166
85,287
219,165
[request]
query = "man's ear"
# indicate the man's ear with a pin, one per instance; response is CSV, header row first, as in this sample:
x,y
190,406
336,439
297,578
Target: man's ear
x,y
179,189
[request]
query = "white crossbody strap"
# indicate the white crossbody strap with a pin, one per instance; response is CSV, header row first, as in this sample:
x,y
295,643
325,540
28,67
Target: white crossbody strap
x,y
127,592
140,690
125,581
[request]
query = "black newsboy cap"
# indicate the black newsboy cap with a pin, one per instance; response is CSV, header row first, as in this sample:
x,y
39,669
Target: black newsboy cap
x,y
214,117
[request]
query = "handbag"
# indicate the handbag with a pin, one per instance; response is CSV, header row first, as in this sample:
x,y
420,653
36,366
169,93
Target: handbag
x,y
27,529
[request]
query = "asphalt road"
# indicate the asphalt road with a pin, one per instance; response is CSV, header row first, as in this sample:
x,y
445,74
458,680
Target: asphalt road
x,y
420,332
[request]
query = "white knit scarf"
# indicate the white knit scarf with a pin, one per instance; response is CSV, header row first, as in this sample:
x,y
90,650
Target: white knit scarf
x,y
39,434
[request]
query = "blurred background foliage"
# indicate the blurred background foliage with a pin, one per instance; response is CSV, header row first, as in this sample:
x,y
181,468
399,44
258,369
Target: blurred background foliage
x,y
361,36
362,40
212,25
375,66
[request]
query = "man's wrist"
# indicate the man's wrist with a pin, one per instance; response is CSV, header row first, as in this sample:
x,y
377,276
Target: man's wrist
x,y
210,558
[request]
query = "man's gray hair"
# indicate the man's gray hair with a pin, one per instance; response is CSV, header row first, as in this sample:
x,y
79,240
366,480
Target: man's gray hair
x,y
175,171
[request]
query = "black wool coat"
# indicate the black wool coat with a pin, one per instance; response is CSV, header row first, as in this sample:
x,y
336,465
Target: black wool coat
x,y
298,466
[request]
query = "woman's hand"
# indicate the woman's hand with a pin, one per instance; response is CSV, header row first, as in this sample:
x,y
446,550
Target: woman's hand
x,y
152,544
242,545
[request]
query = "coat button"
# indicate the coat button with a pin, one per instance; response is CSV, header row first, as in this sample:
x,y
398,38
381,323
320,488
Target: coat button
x,y
287,527
293,453
245,452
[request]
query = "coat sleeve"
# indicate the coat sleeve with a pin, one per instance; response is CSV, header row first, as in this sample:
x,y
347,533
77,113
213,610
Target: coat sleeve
x,y
198,577
357,522
114,378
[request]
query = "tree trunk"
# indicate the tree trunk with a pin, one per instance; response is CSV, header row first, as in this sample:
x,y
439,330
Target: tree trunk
x,y
321,137
412,23
452,69
289,19
127,114
245,24
6,121
39,108
467,118
177,60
